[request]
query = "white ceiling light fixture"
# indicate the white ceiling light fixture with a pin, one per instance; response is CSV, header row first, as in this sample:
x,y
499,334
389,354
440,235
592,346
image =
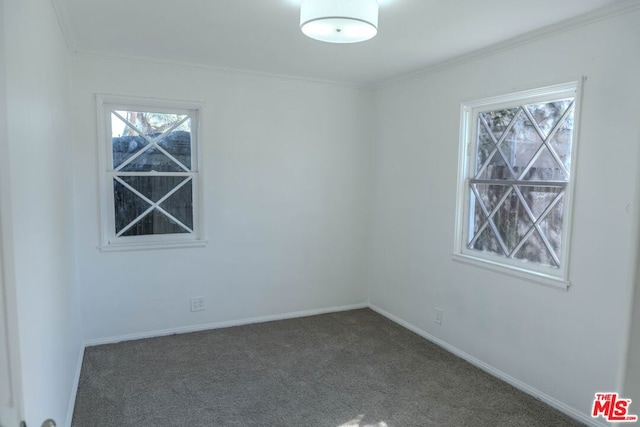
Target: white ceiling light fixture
x,y
339,21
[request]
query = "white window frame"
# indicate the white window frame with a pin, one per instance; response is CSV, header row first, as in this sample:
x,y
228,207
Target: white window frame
x,y
107,103
548,276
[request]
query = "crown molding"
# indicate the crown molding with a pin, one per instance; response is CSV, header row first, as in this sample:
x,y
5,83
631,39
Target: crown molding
x,y
619,8
214,69
64,23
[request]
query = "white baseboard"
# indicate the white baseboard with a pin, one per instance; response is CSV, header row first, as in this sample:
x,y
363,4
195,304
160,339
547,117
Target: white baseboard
x,y
551,401
225,324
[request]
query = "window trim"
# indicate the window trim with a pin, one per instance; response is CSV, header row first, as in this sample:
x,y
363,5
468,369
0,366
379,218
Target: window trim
x,y
553,277
108,241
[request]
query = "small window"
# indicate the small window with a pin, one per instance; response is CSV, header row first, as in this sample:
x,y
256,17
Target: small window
x,y
150,185
517,159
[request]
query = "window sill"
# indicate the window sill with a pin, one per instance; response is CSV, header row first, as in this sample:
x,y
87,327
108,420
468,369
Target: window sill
x,y
151,246
520,273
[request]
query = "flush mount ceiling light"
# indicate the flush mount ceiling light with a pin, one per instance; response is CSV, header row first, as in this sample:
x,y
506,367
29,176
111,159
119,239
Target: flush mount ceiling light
x,y
339,21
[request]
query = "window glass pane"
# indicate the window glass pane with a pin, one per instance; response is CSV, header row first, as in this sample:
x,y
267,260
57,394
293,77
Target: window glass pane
x,y
152,165
479,218
545,168
511,218
535,251
562,140
128,129
494,166
127,205
552,227
498,120
178,144
512,221
147,123
153,187
491,194
485,146
152,160
124,147
518,175
155,223
548,114
539,198
487,242
521,144
180,204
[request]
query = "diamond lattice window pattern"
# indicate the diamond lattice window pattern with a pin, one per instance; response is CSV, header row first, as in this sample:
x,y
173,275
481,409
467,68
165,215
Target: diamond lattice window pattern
x,y
522,166
152,173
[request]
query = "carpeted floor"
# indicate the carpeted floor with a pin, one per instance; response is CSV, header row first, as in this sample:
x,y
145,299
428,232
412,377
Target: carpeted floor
x,y
351,369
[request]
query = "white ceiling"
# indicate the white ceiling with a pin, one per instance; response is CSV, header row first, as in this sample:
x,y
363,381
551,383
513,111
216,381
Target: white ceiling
x,y
264,35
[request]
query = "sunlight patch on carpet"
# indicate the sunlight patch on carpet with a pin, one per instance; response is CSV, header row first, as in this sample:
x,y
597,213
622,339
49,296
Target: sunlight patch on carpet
x,y
356,423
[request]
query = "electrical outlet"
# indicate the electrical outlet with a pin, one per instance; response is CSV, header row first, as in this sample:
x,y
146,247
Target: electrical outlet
x,y
197,303
438,318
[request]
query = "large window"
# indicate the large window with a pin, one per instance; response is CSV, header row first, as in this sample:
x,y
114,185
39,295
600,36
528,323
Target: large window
x,y
516,169
150,186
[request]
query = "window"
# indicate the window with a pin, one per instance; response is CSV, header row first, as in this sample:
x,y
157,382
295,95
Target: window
x,y
150,170
517,156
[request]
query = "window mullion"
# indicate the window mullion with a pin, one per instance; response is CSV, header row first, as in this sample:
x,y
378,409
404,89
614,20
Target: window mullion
x,y
484,210
146,199
486,163
509,136
168,131
528,183
543,216
506,161
553,132
536,226
135,221
152,142
543,236
131,125
489,216
133,190
492,224
144,207
173,218
173,159
137,154
510,126
154,205
503,245
537,154
522,241
530,214
497,143
547,138
176,188
153,173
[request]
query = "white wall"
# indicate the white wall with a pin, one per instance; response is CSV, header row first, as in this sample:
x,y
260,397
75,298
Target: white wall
x,y
38,202
566,345
9,355
285,170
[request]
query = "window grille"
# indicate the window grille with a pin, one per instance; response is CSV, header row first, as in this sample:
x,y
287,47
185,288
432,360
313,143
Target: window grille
x,y
151,179
515,179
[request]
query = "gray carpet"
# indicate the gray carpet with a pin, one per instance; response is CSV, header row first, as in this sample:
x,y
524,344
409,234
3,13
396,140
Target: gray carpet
x,y
352,369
